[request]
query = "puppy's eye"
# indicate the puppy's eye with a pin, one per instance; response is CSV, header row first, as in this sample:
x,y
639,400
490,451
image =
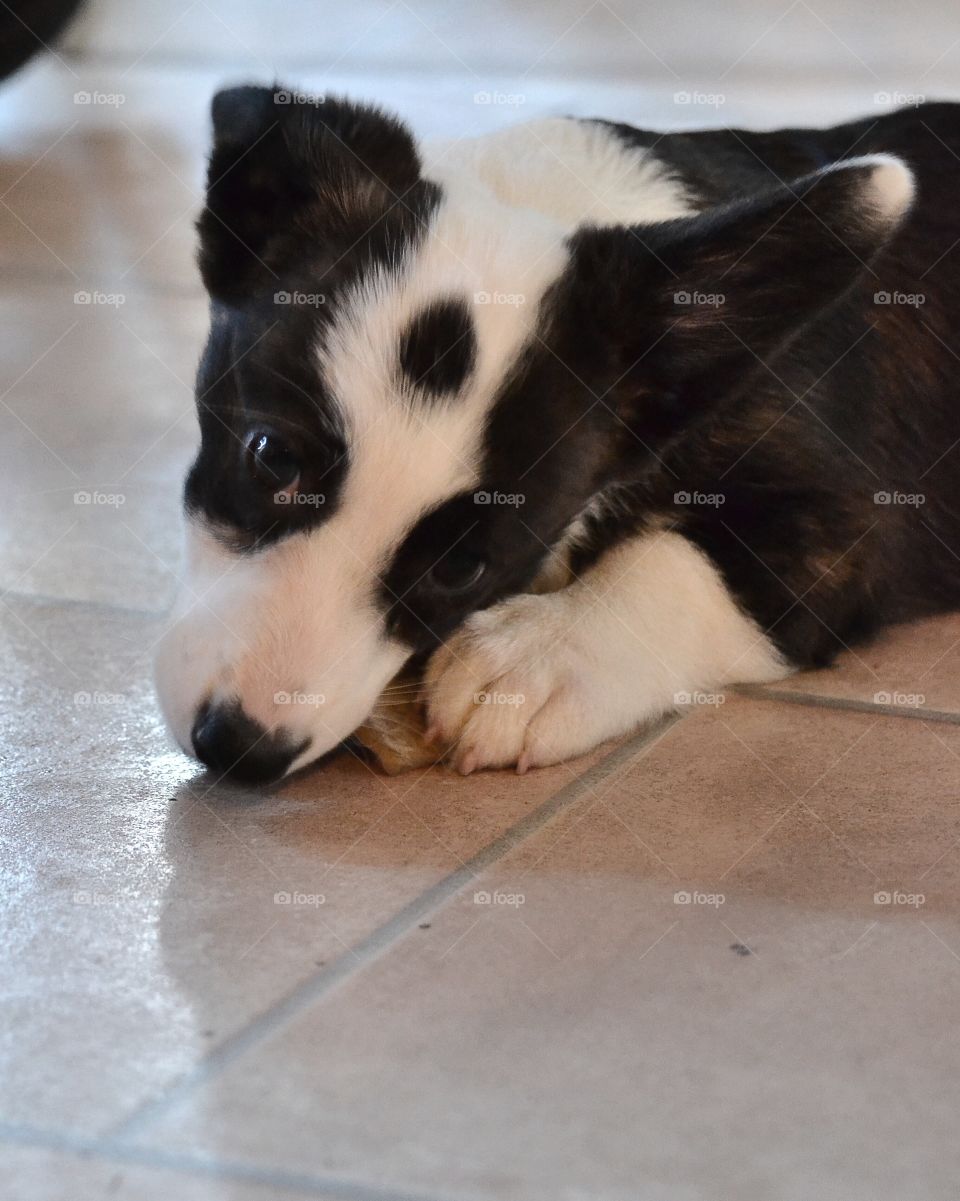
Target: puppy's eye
x,y
271,462
457,571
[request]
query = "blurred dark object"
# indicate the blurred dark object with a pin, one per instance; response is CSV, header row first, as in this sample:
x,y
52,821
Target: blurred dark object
x,y
29,26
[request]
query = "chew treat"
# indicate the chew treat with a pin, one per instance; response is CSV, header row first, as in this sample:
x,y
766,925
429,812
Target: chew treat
x,y
394,731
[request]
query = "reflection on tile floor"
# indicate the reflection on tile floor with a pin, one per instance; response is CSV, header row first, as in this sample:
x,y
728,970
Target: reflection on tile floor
x,y
719,959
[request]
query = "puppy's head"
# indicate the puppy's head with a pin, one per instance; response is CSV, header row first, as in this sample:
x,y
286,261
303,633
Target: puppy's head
x,y
410,392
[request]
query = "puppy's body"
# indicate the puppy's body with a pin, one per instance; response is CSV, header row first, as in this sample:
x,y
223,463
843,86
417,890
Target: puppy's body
x,y
610,414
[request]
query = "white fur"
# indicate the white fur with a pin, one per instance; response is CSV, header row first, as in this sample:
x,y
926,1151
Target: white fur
x,y
891,186
575,172
538,679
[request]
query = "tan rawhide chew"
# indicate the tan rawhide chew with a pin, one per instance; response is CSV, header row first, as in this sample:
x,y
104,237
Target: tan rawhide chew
x,y
394,731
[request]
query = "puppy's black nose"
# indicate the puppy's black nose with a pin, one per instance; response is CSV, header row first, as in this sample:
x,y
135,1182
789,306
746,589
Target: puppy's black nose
x,y
230,742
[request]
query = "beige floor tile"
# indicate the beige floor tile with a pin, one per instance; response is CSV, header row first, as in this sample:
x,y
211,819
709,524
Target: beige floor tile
x,y
429,35
97,424
43,1175
684,980
149,915
99,184
915,667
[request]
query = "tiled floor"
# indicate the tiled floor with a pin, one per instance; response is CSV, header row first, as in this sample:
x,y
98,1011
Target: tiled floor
x,y
719,960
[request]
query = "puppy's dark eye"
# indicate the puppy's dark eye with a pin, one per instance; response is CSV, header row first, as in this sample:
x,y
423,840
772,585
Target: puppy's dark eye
x,y
457,571
271,462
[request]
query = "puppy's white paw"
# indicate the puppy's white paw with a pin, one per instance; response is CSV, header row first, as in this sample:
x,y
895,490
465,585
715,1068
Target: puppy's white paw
x,y
520,684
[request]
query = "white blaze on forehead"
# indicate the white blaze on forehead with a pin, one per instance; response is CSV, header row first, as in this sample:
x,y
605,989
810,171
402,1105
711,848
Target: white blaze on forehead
x,y
408,452
576,172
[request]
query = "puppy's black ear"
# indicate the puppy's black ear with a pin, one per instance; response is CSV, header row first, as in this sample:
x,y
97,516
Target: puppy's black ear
x,y
286,166
687,309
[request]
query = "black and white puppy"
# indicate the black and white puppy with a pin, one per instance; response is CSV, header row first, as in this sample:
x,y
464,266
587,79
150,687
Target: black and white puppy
x,y
607,416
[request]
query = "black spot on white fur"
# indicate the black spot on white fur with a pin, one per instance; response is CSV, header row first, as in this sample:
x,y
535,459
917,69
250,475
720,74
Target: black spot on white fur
x,y
438,348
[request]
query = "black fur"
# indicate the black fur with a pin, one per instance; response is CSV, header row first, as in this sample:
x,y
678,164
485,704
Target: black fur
x,y
863,402
438,349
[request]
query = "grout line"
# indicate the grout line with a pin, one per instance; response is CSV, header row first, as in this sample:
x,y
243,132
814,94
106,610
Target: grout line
x,y
382,938
814,701
92,1149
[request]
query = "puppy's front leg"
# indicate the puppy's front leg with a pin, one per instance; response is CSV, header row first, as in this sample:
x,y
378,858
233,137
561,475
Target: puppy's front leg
x,y
540,678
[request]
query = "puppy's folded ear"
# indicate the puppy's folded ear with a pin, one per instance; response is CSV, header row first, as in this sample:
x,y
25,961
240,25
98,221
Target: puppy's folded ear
x,y
687,309
285,167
